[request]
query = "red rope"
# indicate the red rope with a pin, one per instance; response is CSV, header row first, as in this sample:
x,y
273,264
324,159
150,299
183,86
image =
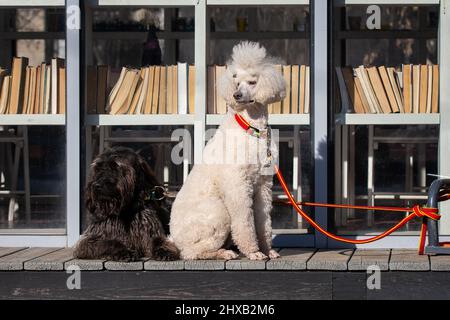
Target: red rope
x,y
416,211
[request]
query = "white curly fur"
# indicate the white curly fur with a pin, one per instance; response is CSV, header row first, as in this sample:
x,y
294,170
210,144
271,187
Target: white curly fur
x,y
229,196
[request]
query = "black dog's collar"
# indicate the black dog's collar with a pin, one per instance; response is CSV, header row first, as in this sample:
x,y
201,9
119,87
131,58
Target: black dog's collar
x,y
156,194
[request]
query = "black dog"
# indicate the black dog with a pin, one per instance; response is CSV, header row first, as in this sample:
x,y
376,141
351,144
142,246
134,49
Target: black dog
x,y
128,216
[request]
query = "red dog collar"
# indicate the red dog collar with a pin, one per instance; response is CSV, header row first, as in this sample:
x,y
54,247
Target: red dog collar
x,y
247,126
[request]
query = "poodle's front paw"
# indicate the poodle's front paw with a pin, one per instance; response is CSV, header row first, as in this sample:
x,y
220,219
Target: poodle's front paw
x,y
257,256
273,254
228,255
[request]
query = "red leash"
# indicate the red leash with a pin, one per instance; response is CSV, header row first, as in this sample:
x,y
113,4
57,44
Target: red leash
x,y
416,211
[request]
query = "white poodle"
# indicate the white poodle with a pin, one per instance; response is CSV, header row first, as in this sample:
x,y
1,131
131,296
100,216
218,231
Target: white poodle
x,y
228,197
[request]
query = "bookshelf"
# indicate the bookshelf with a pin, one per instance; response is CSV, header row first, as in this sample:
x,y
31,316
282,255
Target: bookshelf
x,y
386,119
139,119
80,125
33,119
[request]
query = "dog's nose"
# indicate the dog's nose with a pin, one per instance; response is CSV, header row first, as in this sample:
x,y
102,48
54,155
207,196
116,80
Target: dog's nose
x,y
237,95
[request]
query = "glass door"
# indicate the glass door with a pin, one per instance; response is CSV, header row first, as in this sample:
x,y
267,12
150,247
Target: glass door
x,y
32,123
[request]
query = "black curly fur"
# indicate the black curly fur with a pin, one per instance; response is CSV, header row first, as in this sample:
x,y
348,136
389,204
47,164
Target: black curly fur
x,y
124,226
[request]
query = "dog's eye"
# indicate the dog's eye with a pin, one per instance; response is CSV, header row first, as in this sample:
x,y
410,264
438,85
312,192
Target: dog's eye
x,y
252,83
234,75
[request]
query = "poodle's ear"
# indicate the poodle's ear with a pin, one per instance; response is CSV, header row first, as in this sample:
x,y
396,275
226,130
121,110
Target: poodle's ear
x,y
271,85
226,86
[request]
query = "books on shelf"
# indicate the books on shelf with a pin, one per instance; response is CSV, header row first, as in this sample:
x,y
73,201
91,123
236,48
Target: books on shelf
x,y
413,89
171,90
297,99
151,90
33,89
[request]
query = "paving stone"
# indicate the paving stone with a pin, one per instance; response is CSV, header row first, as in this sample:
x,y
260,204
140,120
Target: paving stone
x,y
440,263
164,265
291,259
52,261
408,260
16,260
204,265
330,259
124,266
363,258
244,263
6,251
85,264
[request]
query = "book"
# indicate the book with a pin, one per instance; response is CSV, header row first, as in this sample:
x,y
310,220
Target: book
x,y
62,90
3,74
350,87
163,90
221,104
354,94
155,92
367,89
416,88
149,94
407,87
389,90
429,88
26,91
191,89
378,89
122,101
435,90
37,97
345,92
295,72
182,88
48,83
113,94
32,91
4,98
399,78
42,89
132,91
144,90
211,91
396,89
423,90
286,103
137,93
307,90
359,89
56,64
175,89
302,89
102,87
18,72
169,102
